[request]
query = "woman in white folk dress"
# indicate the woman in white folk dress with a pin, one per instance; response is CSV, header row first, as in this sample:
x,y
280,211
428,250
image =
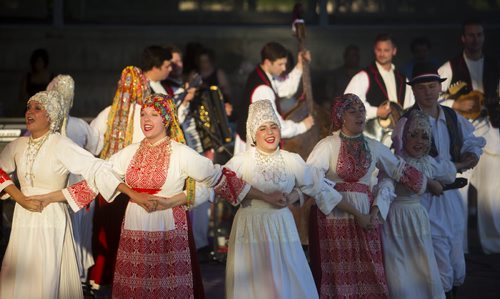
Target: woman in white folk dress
x,y
410,265
346,259
40,260
265,258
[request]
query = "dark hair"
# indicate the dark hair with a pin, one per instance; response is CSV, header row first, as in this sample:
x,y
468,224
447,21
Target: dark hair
x,y
273,51
383,37
351,47
173,49
210,54
39,53
419,41
154,56
469,22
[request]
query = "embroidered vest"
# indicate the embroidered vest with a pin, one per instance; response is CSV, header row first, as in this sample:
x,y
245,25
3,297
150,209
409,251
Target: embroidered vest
x,y
377,91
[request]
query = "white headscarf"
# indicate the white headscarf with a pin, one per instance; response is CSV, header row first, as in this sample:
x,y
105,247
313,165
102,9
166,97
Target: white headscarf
x,y
259,113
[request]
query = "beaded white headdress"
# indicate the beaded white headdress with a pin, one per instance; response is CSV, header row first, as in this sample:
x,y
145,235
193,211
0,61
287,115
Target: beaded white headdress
x,y
65,85
51,102
259,113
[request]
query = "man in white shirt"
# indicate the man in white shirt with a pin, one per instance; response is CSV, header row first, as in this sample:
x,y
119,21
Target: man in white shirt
x,y
263,84
478,74
156,65
380,82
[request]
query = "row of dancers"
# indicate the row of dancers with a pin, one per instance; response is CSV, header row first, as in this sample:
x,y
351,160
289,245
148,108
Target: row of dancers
x,y
364,242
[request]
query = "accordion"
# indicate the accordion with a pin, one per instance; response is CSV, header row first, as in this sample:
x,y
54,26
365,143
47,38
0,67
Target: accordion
x,y
207,108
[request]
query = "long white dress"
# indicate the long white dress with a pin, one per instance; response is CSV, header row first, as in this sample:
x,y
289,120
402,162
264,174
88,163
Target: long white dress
x,y
40,260
265,258
410,265
446,211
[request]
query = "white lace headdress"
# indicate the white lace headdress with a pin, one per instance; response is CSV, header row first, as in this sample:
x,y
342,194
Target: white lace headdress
x,y
51,102
259,113
65,85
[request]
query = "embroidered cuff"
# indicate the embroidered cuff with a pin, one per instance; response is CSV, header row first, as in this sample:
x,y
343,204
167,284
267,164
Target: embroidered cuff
x,y
413,179
79,195
230,187
5,181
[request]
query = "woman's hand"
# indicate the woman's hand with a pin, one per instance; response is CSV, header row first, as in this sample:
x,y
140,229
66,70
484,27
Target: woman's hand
x,y
147,201
374,219
277,199
48,198
434,187
171,202
292,197
30,204
364,220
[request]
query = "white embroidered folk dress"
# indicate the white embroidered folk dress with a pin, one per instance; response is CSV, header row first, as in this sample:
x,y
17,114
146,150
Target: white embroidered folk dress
x,y
40,260
346,259
410,265
446,211
265,258
153,259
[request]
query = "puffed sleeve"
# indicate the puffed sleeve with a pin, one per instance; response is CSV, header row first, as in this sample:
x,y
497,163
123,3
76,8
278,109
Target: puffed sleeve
x,y
312,182
443,171
397,169
98,174
384,193
224,180
320,156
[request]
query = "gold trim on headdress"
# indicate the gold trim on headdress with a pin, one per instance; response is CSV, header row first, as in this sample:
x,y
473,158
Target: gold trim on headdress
x,y
132,89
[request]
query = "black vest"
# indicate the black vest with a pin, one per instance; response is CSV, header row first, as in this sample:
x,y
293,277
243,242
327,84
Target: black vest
x,y
490,77
256,78
377,91
454,132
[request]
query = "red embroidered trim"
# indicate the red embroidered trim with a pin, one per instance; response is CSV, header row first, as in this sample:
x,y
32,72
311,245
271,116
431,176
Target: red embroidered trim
x,y
4,177
230,186
412,178
154,264
81,193
352,187
351,260
149,166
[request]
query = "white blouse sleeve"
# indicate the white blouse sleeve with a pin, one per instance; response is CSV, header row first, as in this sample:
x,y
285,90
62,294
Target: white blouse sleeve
x,y
97,173
384,192
202,170
397,169
359,86
443,171
288,87
312,182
